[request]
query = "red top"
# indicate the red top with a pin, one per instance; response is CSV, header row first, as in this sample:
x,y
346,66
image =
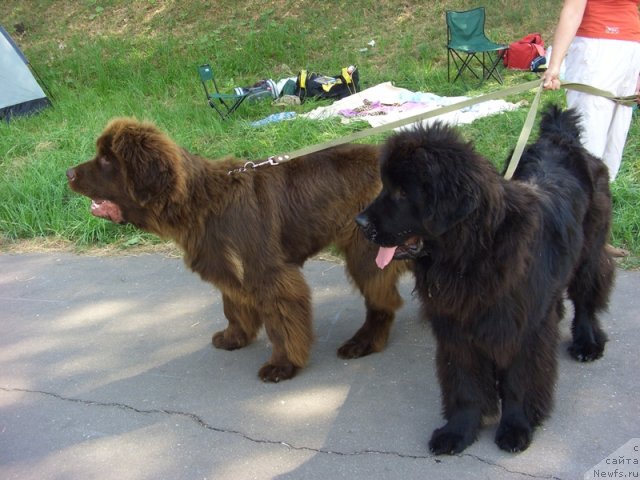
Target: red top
x,y
614,19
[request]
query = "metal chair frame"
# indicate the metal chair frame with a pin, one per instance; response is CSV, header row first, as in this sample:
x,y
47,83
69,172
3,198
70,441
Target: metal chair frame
x,y
223,103
467,43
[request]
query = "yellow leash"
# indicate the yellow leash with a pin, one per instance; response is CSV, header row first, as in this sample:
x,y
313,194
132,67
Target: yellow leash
x,y
517,152
405,121
524,135
628,101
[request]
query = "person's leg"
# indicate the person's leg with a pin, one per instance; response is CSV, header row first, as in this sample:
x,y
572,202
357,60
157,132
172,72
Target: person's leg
x,y
616,139
583,66
623,82
613,66
596,114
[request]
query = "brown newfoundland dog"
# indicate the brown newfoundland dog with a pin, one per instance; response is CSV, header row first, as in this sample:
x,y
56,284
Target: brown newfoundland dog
x,y
492,261
249,233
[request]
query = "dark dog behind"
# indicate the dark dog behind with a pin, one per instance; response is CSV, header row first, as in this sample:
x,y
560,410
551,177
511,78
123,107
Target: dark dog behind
x,y
249,233
492,261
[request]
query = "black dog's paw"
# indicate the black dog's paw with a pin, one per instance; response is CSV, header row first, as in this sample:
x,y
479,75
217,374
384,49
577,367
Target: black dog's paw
x,y
588,350
513,438
445,442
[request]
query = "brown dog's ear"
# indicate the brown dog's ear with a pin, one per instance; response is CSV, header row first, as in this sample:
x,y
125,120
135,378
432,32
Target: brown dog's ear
x,y
151,161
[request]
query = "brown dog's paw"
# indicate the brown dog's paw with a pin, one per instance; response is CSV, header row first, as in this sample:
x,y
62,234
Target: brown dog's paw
x,y
226,341
355,349
275,373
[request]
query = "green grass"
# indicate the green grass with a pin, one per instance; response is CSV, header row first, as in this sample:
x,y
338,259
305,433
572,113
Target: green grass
x,y
108,58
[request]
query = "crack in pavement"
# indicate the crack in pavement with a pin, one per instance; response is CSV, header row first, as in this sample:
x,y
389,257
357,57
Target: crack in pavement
x,y
493,464
203,424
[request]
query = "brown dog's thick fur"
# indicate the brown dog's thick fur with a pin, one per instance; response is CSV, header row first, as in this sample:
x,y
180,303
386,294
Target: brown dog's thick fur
x,y
249,233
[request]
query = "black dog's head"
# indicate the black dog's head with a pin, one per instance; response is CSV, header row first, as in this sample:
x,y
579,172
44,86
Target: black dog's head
x,y
430,184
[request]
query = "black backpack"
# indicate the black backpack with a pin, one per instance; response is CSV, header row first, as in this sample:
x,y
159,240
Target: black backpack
x,y
315,85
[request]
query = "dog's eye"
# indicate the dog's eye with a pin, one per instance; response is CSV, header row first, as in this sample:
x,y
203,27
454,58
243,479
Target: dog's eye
x,y
401,193
104,162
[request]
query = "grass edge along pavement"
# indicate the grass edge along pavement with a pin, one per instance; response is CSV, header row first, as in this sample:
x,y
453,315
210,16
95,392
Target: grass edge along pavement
x,y
130,59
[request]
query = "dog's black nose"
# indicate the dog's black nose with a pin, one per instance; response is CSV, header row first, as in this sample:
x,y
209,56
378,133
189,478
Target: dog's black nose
x,y
363,220
71,174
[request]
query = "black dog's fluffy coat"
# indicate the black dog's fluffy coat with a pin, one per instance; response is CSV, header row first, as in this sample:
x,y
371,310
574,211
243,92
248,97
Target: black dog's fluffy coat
x,y
492,260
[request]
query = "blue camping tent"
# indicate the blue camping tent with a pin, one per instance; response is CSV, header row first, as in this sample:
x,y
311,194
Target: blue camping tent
x,y
20,93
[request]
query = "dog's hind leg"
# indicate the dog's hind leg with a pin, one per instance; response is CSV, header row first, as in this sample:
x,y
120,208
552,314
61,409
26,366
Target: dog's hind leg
x,y
381,300
284,300
244,323
592,281
589,290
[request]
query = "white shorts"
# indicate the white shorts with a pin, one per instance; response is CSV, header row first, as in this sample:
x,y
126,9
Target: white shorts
x,y
611,65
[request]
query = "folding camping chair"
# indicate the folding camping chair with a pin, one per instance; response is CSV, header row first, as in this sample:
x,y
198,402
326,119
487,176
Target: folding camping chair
x,y
466,40
223,103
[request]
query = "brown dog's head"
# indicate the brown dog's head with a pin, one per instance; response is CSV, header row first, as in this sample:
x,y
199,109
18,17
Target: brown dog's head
x,y
136,172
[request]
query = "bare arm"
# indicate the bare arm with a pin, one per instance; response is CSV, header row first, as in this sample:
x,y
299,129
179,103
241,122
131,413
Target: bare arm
x,y
570,19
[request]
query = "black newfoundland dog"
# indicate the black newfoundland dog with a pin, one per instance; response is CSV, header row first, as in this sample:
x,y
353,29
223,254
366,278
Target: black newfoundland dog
x,y
492,261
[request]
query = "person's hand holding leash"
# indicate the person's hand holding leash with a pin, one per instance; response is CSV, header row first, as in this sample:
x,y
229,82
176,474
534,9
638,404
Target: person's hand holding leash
x,y
551,79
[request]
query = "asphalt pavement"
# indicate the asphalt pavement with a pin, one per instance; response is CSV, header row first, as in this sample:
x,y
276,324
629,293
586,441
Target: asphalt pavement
x,y
107,372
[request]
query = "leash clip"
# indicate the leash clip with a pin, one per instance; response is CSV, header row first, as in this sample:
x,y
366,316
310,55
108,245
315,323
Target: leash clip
x,y
252,165
276,160
268,161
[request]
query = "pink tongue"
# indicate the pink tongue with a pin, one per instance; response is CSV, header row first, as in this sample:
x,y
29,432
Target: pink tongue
x,y
106,209
385,255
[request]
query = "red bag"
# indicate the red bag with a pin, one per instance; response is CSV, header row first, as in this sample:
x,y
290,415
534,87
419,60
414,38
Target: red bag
x,y
521,53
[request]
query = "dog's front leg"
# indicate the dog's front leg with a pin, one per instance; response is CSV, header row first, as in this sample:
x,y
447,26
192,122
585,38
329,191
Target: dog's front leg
x,y
515,431
468,392
527,384
244,322
285,305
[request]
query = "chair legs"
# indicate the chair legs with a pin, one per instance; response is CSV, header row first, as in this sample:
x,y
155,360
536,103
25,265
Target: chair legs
x,y
489,62
494,62
227,109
